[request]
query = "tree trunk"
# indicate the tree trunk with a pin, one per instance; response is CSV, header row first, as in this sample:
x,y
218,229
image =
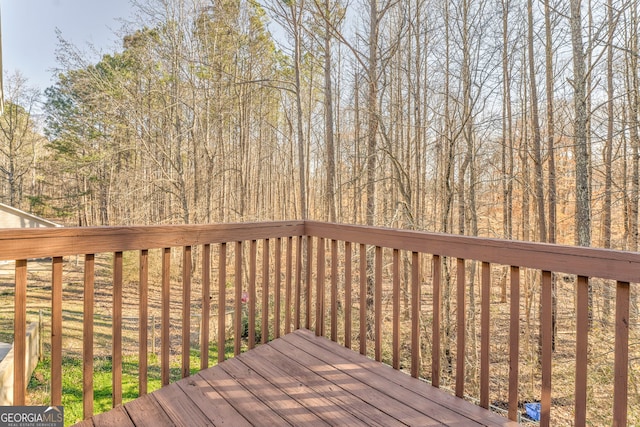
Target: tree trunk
x,y
581,153
551,154
535,127
328,114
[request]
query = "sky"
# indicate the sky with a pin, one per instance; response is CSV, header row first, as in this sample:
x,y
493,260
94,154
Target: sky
x,y
29,32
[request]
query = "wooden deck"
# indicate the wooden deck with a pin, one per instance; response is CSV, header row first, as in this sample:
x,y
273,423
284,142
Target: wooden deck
x,y
299,379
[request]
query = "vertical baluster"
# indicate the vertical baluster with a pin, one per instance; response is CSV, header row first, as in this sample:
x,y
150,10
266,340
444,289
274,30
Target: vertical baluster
x,y
265,291
222,299
363,299
347,294
143,333
461,327
378,304
116,358
582,333
334,290
186,311
277,284
237,335
514,342
309,279
435,326
485,337
253,260
415,314
546,320
206,306
165,309
20,333
298,296
87,336
56,332
621,364
287,284
396,310
320,277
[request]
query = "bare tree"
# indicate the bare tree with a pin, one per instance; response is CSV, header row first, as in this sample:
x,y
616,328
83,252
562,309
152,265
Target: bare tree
x,y
583,192
632,83
18,139
535,127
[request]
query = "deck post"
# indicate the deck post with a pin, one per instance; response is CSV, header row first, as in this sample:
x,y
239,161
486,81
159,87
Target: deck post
x,y
186,310
485,326
165,337
582,346
320,277
87,337
415,314
461,327
56,331
514,342
143,336
435,326
19,333
621,364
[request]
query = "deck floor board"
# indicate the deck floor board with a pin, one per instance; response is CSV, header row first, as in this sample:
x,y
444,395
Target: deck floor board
x,y
299,379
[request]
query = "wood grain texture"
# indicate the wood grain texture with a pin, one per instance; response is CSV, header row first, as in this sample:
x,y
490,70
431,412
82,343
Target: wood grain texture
x,y
334,290
435,327
514,342
20,333
461,326
582,345
206,306
591,262
320,277
300,379
87,336
143,334
165,316
288,281
37,242
253,260
116,331
395,327
621,364
415,314
546,329
266,259
186,310
377,304
237,327
485,338
222,299
277,287
56,331
363,299
348,283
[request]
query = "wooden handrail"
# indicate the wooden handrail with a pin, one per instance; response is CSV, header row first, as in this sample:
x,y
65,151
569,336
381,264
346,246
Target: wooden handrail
x,y
589,262
49,242
306,295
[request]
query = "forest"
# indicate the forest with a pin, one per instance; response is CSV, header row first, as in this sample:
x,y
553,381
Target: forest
x,y
515,119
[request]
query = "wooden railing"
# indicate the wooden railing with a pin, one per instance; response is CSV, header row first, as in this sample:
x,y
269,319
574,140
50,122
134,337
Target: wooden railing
x,y
376,257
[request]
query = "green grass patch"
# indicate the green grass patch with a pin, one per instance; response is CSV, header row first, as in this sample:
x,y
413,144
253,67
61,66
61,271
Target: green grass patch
x,y
39,384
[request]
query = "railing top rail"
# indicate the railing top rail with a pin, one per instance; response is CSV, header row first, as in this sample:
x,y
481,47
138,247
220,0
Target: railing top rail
x,y
591,262
41,242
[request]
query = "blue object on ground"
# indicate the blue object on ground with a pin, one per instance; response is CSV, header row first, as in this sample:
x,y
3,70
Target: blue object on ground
x,y
533,410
